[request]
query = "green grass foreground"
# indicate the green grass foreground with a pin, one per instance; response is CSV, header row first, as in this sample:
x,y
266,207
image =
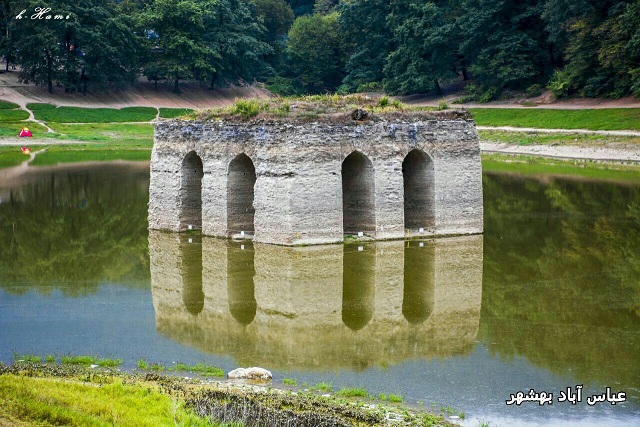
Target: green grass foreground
x,y
50,394
64,401
530,165
592,119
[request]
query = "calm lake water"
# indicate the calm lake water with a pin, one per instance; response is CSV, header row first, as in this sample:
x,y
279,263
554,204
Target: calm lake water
x,y
548,298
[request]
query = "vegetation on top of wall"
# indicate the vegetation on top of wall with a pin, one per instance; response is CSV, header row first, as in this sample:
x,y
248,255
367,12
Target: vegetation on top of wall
x,y
323,108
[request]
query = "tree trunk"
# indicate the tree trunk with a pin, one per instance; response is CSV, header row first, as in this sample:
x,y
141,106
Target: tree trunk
x,y
438,88
176,88
465,75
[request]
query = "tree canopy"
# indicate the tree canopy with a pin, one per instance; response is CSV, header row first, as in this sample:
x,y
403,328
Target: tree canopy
x,y
574,47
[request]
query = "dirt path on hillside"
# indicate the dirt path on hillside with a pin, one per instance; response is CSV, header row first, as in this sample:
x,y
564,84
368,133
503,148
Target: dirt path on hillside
x,y
142,94
622,153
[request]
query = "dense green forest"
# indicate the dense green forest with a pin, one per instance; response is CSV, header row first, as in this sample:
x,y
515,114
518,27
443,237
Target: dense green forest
x,y
574,47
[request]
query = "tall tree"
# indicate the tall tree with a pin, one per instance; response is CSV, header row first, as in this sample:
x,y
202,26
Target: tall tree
x,y
81,46
370,40
317,52
426,50
504,41
177,31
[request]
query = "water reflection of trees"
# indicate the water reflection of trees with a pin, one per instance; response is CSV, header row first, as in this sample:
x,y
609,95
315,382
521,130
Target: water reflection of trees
x,y
73,229
562,276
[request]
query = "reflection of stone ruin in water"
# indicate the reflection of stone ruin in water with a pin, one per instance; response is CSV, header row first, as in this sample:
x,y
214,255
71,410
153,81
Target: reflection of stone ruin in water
x,y
320,307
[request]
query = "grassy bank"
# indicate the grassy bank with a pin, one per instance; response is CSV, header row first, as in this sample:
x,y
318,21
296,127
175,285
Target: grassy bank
x,y
11,156
592,119
89,153
69,395
51,113
540,138
530,165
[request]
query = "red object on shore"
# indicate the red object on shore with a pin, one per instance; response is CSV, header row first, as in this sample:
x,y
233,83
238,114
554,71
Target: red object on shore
x,y
25,132
25,150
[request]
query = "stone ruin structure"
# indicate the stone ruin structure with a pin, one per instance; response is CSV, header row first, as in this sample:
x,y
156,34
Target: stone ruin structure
x,y
314,180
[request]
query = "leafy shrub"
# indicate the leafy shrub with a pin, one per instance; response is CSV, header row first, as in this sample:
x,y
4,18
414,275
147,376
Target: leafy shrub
x,y
534,90
284,86
442,105
370,87
383,101
560,84
248,108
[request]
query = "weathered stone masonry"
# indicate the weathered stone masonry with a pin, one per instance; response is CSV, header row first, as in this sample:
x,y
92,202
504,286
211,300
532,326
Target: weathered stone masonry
x,y
312,183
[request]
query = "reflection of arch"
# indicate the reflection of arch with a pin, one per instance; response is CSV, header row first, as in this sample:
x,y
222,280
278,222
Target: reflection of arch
x,y
191,272
419,191
240,285
419,281
191,192
358,285
240,183
358,194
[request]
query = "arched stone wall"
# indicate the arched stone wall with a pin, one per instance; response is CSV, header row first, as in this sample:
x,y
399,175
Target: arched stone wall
x,y
358,195
419,192
191,174
241,180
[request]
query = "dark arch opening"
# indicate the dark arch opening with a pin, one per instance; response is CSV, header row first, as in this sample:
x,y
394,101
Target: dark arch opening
x,y
419,281
358,195
241,180
419,191
191,272
358,285
240,284
191,192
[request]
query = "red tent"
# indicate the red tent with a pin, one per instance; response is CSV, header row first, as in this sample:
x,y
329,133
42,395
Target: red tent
x,y
25,132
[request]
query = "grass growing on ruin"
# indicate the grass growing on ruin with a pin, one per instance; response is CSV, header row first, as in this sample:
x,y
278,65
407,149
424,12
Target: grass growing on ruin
x,y
593,119
322,387
51,113
530,165
310,108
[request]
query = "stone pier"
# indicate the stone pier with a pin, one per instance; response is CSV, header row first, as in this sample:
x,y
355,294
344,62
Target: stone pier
x,y
300,182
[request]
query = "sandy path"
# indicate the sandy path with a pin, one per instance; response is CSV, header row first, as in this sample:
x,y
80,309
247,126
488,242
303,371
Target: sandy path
x,y
606,154
142,94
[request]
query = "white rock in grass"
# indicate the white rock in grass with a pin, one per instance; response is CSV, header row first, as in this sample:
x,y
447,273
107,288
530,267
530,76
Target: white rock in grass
x,y
254,373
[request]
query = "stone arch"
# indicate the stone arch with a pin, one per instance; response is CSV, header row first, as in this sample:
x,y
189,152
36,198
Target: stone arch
x,y
419,281
240,281
358,285
358,195
241,180
419,191
191,192
191,272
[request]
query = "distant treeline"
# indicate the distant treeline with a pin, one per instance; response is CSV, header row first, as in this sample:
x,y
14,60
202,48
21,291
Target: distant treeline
x,y
573,47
